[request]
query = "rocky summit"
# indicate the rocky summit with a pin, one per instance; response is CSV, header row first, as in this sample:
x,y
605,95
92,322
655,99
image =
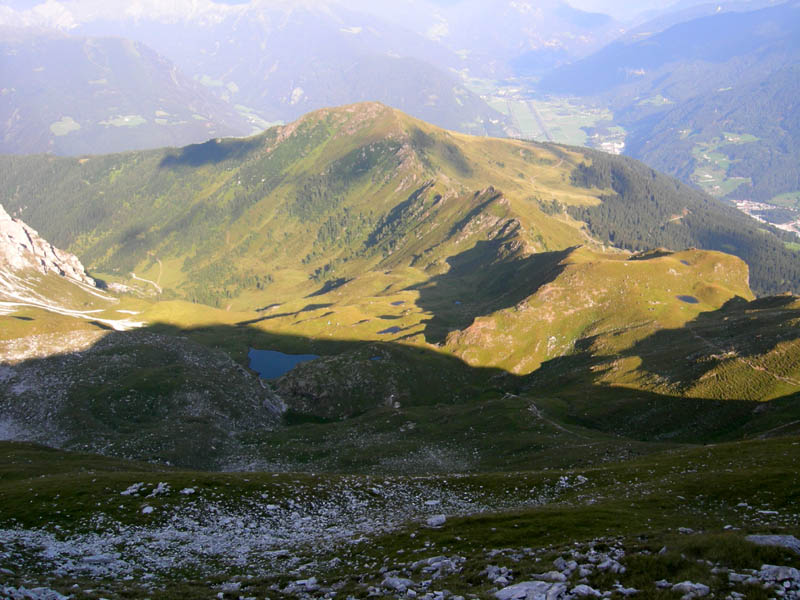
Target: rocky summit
x,y
21,247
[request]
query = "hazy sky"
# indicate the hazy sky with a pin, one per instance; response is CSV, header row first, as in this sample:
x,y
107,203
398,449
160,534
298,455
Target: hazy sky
x,y
608,6
621,9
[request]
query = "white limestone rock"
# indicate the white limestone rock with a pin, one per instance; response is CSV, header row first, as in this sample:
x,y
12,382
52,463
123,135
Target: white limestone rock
x,y
585,591
691,590
436,521
782,541
532,590
21,247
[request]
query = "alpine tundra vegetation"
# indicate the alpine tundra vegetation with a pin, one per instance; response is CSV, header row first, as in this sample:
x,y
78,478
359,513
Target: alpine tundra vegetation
x,y
361,352
533,371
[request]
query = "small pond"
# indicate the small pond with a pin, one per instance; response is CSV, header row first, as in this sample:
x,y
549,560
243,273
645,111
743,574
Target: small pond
x,y
271,364
688,299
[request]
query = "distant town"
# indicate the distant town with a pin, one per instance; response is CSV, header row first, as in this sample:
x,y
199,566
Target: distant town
x,y
761,211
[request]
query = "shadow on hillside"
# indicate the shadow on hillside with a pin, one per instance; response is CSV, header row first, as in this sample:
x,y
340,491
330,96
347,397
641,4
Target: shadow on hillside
x,y
329,286
172,396
210,152
470,289
680,356
739,330
567,383
269,317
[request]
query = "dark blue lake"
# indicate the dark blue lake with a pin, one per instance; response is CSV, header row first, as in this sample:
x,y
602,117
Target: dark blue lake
x,y
270,364
688,299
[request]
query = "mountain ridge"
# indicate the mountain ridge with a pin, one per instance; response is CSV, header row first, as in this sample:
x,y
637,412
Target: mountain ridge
x,y
361,225
710,100
115,95
364,185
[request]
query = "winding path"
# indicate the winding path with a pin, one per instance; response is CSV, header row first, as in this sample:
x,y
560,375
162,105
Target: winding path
x,y
153,283
538,414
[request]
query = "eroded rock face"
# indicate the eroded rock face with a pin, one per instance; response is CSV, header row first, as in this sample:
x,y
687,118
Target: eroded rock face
x,y
21,247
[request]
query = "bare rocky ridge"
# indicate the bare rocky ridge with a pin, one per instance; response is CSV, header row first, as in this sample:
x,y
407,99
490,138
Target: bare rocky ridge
x,y
21,247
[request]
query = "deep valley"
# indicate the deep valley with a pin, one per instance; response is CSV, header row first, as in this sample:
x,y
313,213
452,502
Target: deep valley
x,y
442,299
499,369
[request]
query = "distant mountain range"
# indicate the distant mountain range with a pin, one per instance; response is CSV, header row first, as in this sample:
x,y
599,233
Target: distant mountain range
x,y
274,61
712,100
281,60
492,37
83,95
689,58
264,63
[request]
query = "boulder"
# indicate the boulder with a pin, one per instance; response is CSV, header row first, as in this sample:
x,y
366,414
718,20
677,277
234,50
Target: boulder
x,y
585,591
436,521
397,584
782,541
691,590
774,573
532,590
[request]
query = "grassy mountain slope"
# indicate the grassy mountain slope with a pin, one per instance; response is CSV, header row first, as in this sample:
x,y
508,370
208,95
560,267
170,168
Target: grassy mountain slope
x,y
464,317
344,191
334,194
646,212
616,299
76,95
741,351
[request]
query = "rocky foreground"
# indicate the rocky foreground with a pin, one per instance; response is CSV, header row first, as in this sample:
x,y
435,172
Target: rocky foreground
x,y
294,537
585,571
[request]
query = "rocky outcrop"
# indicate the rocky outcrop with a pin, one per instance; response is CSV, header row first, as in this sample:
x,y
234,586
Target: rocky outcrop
x,y
136,395
21,247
